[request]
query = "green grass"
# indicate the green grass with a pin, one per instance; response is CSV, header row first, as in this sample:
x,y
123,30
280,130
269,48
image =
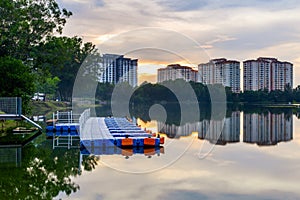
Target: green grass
x,y
7,137
42,107
7,126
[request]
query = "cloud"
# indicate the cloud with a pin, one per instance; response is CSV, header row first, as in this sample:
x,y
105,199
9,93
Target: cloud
x,y
195,194
235,29
179,5
156,45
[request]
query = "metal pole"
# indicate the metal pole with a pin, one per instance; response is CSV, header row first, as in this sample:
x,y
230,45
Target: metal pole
x,y
71,116
16,105
68,117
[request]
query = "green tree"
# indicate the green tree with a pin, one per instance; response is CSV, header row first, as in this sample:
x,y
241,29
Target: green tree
x,y
48,86
16,79
62,57
25,23
104,91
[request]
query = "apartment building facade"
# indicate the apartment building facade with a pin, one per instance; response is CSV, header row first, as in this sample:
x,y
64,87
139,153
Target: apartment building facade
x,y
267,74
116,68
176,71
221,71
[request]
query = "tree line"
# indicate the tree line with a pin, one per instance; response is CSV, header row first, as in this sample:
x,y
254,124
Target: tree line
x,y
151,93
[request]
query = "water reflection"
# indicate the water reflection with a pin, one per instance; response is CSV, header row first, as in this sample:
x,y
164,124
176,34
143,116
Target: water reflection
x,y
208,129
230,126
264,128
40,173
267,128
10,157
89,162
247,171
126,152
37,171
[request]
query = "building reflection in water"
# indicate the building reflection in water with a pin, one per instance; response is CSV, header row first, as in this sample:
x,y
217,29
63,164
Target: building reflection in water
x,y
261,128
216,131
267,128
230,126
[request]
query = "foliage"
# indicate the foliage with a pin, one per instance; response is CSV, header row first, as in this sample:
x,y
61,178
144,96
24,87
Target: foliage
x,y
42,174
48,86
26,33
149,93
263,96
16,80
104,91
25,23
62,57
47,107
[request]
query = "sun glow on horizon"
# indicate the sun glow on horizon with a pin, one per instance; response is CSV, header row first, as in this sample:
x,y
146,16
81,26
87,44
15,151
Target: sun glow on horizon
x,y
147,71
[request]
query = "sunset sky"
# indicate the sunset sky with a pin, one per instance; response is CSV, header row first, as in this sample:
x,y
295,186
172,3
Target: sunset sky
x,y
161,32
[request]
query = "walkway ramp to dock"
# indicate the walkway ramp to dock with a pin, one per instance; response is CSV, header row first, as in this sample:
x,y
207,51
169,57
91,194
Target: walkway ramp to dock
x,y
11,108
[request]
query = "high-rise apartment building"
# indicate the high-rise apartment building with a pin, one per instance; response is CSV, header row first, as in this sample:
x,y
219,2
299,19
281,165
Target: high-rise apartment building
x,y
117,68
267,74
176,71
221,71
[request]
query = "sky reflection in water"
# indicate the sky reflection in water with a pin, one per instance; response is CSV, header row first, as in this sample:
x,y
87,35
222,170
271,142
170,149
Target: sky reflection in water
x,y
236,170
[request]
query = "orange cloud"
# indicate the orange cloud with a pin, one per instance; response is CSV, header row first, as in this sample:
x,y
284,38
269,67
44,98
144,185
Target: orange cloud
x,y
146,77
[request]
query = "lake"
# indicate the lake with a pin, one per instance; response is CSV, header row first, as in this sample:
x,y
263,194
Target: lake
x,y
254,156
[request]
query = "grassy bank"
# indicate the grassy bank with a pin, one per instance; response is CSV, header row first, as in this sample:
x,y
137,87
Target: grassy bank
x,y
8,137
44,107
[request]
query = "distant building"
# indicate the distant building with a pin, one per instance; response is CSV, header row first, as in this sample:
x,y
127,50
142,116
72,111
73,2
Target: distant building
x,y
221,71
117,68
39,97
176,71
268,129
267,74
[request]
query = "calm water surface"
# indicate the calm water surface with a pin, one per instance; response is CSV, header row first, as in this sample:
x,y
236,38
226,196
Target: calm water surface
x,y
257,156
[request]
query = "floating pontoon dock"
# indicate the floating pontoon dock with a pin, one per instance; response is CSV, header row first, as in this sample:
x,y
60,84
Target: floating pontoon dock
x,y
108,132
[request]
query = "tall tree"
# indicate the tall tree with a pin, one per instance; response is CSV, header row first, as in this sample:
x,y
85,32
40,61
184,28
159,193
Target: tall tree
x,y
62,57
25,23
16,79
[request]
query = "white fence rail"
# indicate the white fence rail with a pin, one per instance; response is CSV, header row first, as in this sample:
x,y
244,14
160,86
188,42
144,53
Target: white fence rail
x,y
65,117
83,118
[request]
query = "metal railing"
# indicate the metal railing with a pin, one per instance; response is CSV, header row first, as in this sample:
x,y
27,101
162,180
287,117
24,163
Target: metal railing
x,y
83,118
67,141
65,117
10,106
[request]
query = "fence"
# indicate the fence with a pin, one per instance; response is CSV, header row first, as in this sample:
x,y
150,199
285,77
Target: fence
x,y
65,117
11,105
83,118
